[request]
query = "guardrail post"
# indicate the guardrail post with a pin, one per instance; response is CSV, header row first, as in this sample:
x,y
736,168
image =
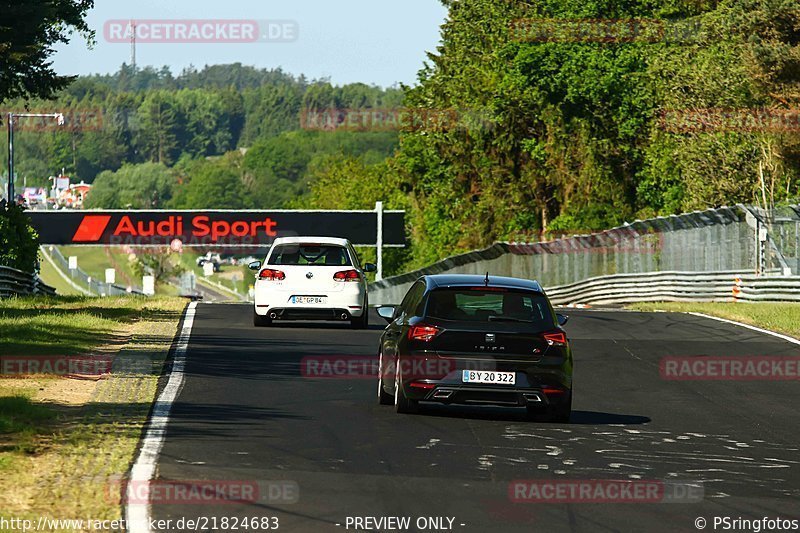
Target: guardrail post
x,y
379,241
763,236
737,288
758,246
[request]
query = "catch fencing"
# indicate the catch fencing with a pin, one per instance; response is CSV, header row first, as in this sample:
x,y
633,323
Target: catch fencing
x,y
726,243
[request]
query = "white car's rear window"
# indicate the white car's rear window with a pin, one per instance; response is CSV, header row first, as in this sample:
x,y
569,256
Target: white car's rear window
x,y
309,255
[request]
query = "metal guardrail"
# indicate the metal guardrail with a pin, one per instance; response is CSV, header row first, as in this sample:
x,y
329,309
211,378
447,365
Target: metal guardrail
x,y
726,286
17,283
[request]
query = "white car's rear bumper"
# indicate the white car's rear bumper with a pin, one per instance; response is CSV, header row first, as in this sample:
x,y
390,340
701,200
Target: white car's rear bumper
x,y
349,300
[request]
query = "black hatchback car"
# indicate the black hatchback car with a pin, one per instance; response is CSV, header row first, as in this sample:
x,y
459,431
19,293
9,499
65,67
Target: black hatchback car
x,y
464,339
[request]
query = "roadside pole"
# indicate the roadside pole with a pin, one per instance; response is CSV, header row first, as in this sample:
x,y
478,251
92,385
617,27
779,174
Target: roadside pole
x,y
10,159
379,242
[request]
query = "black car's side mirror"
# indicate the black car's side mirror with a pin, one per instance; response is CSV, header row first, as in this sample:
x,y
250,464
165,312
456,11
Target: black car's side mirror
x,y
255,265
562,319
386,312
370,267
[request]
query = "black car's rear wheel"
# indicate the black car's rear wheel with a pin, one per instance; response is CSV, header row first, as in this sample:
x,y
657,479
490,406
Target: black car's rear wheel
x,y
383,397
401,403
261,321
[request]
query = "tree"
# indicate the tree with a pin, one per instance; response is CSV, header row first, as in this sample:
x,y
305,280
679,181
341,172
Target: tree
x,y
144,186
160,262
28,31
573,137
158,128
215,184
19,243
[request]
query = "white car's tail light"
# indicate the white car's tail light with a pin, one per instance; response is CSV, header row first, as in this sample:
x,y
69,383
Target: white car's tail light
x,y
347,275
269,274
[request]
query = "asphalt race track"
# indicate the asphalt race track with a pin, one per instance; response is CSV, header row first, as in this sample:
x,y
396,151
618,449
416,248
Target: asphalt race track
x,y
247,413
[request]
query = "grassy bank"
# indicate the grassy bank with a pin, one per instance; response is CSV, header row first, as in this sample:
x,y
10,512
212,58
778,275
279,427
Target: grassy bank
x,y
780,317
65,442
94,260
50,275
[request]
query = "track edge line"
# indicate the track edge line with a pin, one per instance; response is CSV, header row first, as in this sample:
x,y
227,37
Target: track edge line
x,y
137,515
781,336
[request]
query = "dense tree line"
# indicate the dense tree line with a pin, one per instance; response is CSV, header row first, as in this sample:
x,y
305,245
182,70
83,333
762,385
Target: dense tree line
x,y
583,130
123,125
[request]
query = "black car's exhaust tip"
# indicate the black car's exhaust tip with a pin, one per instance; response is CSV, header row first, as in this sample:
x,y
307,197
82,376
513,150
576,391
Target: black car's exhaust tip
x,y
533,397
442,394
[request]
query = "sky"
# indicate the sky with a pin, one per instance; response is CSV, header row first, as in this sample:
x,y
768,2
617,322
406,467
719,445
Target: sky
x,y
371,41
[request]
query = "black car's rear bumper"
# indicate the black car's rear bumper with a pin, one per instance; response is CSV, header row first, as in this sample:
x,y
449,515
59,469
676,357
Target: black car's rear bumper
x,y
488,395
546,382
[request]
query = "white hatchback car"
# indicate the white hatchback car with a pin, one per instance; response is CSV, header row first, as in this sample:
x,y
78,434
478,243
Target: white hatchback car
x,y
311,278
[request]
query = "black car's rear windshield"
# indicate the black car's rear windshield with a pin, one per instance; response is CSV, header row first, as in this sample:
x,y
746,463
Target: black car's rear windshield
x,y
309,255
480,304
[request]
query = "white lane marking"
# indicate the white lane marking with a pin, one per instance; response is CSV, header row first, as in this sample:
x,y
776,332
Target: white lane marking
x,y
485,461
144,469
554,450
748,326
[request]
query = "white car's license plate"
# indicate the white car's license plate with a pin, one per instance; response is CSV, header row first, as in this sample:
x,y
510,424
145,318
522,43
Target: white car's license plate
x,y
491,377
309,300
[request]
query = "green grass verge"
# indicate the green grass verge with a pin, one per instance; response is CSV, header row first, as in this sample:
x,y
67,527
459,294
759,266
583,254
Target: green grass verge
x,y
23,418
51,277
73,325
94,260
774,316
66,443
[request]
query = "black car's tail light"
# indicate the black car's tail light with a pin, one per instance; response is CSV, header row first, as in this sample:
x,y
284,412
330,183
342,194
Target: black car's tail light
x,y
423,333
269,274
555,338
347,275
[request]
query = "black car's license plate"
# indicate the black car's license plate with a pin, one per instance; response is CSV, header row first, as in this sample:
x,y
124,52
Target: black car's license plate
x,y
490,377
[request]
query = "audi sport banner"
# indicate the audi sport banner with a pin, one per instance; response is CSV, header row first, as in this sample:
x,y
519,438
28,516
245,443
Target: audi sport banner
x,y
212,228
